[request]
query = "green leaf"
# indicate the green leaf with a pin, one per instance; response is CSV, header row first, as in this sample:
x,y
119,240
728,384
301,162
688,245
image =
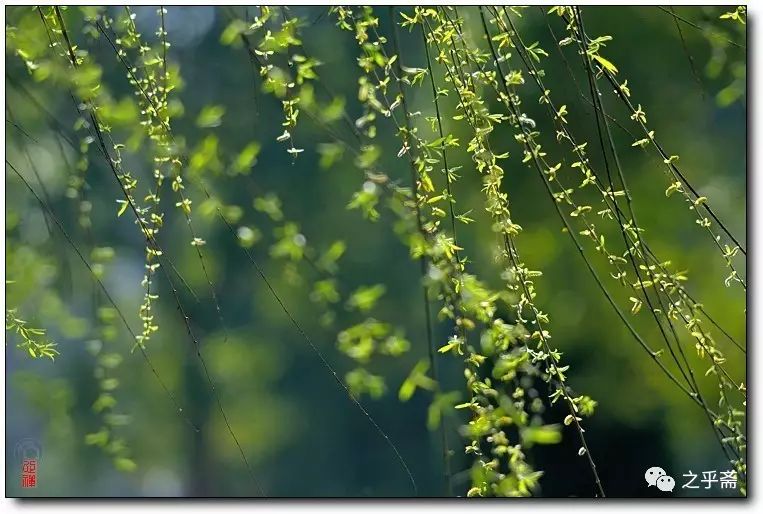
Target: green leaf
x,y
210,116
608,65
125,464
122,207
416,379
544,434
232,32
330,153
247,158
364,298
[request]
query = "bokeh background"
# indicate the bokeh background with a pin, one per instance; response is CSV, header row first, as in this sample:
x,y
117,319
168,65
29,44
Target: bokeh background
x,y
301,434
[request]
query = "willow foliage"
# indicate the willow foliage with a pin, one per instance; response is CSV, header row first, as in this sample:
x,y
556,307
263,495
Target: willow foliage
x,y
480,76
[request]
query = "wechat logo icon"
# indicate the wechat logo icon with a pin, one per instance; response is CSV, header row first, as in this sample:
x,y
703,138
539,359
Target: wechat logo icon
x,y
656,476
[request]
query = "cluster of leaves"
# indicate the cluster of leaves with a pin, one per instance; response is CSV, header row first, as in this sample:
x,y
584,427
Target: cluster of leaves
x,y
32,340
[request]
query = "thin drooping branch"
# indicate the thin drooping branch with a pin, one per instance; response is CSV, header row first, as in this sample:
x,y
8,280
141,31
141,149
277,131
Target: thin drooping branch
x,y
51,215
129,199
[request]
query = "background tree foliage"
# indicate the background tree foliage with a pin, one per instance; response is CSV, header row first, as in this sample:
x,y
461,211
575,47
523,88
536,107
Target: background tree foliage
x,y
374,251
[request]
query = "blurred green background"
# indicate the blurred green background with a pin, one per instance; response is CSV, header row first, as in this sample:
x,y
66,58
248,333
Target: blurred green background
x,y
300,433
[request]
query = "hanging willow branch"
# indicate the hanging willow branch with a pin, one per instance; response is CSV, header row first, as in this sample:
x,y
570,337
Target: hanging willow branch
x,y
448,110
